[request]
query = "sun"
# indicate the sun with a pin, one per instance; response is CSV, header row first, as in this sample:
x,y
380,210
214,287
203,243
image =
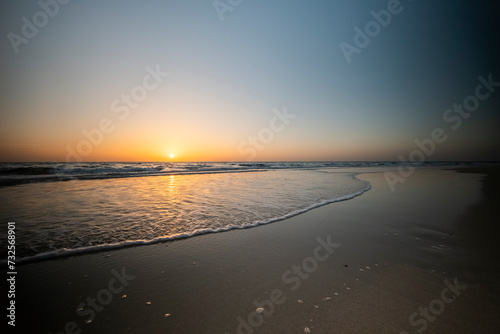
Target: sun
x,y
172,156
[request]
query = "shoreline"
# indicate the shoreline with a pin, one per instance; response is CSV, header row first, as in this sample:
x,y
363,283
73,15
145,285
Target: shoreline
x,y
61,253
400,240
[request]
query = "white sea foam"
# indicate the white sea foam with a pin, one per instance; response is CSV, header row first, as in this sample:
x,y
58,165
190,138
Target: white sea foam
x,y
110,246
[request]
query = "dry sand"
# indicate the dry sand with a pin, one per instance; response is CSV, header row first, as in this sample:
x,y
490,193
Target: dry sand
x,y
398,253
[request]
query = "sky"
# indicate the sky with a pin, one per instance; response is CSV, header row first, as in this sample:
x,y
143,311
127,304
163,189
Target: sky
x,y
249,80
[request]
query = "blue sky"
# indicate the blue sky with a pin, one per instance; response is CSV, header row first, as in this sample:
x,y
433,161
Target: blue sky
x,y
226,77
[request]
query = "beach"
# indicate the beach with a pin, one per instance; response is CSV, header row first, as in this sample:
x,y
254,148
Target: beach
x,y
250,167
421,259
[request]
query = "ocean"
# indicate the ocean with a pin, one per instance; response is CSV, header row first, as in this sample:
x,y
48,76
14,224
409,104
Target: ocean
x,y
67,208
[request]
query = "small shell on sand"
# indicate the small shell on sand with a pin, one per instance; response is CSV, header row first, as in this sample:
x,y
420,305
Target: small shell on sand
x,y
167,315
260,310
335,293
148,303
307,330
124,296
300,301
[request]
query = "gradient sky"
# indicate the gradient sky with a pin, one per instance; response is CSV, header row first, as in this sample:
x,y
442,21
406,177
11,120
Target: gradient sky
x,y
226,78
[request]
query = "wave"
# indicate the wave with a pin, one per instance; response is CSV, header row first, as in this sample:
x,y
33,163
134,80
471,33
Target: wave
x,y
129,243
20,173
26,171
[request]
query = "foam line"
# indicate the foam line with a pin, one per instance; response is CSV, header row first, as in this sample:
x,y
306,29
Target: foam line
x,y
104,247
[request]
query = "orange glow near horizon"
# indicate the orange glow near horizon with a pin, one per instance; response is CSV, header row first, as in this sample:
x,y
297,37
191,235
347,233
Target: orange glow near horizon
x,y
190,152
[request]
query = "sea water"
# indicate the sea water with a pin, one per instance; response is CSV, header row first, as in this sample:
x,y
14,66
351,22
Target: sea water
x,y
62,209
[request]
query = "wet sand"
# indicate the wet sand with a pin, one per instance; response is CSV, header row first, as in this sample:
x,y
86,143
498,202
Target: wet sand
x,y
419,258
